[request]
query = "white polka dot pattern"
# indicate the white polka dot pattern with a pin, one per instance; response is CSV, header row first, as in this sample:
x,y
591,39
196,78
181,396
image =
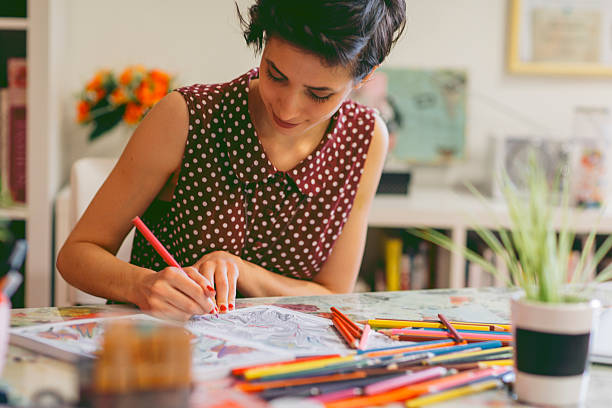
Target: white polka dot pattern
x,y
230,196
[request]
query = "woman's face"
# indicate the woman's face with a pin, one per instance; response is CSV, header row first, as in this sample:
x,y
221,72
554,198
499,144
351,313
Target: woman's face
x,y
298,91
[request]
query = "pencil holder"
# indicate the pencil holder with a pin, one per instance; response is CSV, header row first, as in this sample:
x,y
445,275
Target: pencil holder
x,y
552,342
141,364
5,318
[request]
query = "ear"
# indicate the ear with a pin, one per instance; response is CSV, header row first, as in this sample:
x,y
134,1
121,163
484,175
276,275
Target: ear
x,y
366,78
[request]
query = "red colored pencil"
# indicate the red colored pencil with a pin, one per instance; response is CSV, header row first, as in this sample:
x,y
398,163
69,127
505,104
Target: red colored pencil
x,y
450,328
348,337
346,319
163,252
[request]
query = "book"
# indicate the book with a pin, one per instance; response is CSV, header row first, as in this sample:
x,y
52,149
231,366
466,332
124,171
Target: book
x,y
16,75
393,259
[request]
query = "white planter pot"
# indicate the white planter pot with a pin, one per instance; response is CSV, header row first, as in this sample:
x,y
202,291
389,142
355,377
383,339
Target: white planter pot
x,y
552,343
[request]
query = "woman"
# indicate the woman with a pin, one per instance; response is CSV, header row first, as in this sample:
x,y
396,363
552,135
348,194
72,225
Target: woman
x,y
260,185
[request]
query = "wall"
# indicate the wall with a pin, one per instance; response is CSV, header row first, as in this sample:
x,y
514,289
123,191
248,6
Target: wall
x,y
200,41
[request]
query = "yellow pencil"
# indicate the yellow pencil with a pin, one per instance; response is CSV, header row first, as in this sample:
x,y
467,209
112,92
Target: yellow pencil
x,y
491,363
454,356
399,324
291,368
454,393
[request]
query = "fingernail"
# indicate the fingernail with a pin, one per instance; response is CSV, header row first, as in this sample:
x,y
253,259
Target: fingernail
x,y
211,289
230,307
222,308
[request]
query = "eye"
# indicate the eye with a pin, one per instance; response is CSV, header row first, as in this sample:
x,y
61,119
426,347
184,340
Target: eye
x,y
318,98
272,77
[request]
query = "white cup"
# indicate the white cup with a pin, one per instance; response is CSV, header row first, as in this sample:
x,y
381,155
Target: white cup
x,y
5,317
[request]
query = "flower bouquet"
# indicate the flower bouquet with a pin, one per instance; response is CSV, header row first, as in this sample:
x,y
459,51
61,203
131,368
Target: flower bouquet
x,y
107,100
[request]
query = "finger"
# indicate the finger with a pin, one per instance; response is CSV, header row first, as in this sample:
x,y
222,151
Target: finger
x,y
221,283
207,270
181,281
232,279
165,310
184,303
204,283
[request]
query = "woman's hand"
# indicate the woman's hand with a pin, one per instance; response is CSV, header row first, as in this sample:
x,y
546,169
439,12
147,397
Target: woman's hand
x,y
177,294
223,269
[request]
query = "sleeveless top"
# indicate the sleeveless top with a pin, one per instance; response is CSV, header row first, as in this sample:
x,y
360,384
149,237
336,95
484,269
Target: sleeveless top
x,y
230,197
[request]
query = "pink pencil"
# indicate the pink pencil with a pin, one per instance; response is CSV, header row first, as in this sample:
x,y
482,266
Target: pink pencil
x,y
363,341
412,378
337,395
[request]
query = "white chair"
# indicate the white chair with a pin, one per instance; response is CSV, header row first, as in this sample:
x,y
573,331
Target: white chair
x,y
86,176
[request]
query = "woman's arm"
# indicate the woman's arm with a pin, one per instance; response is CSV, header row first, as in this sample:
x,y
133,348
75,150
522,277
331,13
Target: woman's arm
x,y
341,268
87,259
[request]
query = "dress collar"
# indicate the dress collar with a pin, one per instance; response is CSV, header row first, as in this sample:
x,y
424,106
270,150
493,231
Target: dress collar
x,y
247,156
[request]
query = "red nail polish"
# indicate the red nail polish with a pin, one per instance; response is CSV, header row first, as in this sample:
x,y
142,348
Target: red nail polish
x,y
230,307
210,288
223,308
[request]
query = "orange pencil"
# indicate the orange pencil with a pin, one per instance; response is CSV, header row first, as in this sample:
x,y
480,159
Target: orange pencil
x,y
348,337
346,319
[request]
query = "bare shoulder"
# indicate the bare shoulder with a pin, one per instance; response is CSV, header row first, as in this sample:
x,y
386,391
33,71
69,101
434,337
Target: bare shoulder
x,y
161,136
380,140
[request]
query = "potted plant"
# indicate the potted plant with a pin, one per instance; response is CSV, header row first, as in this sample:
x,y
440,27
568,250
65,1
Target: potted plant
x,y
552,317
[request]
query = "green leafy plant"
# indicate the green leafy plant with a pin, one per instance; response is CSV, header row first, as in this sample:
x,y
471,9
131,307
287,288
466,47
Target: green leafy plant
x,y
536,254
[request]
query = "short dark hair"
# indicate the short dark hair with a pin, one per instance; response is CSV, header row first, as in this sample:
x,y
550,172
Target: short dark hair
x,y
354,33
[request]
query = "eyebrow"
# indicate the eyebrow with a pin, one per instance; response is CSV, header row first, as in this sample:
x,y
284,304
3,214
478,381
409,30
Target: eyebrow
x,y
312,88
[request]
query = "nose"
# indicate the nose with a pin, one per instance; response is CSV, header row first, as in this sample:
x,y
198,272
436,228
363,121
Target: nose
x,y
288,105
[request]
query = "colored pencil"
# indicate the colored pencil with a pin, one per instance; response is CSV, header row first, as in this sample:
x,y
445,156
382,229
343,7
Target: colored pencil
x,y
464,354
450,328
474,359
341,327
418,335
297,366
264,385
310,390
407,349
475,333
152,239
363,341
415,390
166,256
453,393
391,323
390,348
345,318
479,364
408,379
338,395
370,365
238,371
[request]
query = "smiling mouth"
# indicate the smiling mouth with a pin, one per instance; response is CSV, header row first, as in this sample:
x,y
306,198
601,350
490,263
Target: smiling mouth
x,y
282,123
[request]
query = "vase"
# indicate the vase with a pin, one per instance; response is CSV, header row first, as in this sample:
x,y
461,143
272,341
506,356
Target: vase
x,y
552,342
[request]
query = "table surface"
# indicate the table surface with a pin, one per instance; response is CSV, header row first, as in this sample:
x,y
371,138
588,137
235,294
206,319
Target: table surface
x,y
27,373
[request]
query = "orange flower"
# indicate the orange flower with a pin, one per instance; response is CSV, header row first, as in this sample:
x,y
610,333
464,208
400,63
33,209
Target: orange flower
x,y
128,74
160,78
82,111
145,94
97,80
118,96
133,113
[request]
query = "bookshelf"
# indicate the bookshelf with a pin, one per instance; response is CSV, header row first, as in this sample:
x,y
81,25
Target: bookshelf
x,y
45,40
457,211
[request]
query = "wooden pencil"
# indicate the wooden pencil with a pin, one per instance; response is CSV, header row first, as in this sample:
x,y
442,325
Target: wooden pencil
x,y
346,335
450,328
346,319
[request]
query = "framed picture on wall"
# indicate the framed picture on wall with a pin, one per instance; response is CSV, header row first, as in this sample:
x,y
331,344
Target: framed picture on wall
x,y
560,37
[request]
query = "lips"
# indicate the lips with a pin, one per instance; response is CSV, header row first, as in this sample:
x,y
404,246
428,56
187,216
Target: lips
x,y
282,123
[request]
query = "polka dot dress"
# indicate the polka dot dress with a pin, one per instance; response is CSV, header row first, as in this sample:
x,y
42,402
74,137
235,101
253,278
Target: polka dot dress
x,y
230,197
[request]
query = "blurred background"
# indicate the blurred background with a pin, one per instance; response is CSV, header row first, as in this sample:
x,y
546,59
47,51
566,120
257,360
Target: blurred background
x,y
470,86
